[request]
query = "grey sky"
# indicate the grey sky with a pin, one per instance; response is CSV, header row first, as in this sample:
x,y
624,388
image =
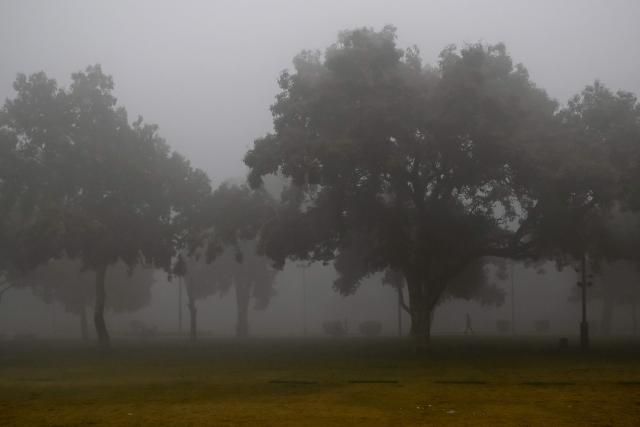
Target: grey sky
x,y
206,71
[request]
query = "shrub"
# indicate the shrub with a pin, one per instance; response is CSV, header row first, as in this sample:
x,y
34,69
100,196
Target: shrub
x,y
370,328
335,328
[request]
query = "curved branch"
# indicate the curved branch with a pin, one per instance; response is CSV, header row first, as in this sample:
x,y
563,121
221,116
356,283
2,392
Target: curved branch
x,y
404,306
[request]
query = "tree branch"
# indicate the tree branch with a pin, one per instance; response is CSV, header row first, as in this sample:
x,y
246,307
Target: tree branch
x,y
404,306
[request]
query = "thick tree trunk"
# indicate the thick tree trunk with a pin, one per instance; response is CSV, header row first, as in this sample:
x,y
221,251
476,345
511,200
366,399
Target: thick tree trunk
x,y
243,295
423,298
193,323
84,324
421,321
98,313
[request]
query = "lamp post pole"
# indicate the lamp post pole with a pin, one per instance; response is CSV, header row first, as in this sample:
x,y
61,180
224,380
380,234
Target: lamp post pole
x,y
513,302
180,305
304,300
584,325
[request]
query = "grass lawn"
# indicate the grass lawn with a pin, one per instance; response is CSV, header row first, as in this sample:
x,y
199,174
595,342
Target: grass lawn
x,y
462,381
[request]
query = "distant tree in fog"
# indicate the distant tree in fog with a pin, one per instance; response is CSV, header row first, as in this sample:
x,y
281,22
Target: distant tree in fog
x,y
105,190
396,165
66,282
616,272
588,185
615,284
250,275
224,255
591,173
198,283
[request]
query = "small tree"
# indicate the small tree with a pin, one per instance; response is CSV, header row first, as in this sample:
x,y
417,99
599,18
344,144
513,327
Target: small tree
x,y
225,232
251,276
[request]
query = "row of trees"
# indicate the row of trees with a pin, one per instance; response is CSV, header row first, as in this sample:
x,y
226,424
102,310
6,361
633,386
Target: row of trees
x,y
430,174
87,195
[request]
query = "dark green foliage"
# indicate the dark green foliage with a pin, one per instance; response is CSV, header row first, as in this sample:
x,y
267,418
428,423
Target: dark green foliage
x,y
91,186
399,166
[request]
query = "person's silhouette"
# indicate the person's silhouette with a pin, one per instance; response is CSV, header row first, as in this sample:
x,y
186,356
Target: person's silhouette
x,y
468,329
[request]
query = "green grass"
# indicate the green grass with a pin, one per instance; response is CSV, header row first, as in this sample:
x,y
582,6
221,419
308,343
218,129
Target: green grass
x,y
462,381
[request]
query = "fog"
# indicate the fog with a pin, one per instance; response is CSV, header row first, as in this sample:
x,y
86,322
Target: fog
x,y
206,72
536,297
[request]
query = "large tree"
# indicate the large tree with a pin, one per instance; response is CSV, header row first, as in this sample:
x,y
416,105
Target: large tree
x,y
401,166
66,281
117,191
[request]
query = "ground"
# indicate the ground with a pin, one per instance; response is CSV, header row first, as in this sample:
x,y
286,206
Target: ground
x,y
313,382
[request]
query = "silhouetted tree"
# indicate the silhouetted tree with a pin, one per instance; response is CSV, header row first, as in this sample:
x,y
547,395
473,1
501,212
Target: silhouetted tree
x,y
65,281
399,165
116,191
198,282
587,179
226,221
251,276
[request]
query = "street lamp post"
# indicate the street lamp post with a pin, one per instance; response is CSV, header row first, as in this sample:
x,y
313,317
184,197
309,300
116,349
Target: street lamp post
x,y
180,305
584,325
513,301
304,300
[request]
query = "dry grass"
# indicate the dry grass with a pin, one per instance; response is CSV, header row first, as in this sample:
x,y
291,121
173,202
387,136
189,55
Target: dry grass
x,y
463,381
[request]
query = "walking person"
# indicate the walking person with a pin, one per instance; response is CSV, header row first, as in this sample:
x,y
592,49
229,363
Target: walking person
x,y
468,329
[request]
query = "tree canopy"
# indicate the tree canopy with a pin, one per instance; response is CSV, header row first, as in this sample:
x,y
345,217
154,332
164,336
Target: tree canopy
x,y
105,190
401,166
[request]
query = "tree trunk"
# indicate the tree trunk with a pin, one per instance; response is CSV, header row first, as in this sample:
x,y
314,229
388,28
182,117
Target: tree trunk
x,y
84,324
193,323
423,298
193,311
421,322
98,313
243,295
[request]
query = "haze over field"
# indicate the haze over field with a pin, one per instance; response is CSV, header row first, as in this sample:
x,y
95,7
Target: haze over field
x,y
206,72
319,213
